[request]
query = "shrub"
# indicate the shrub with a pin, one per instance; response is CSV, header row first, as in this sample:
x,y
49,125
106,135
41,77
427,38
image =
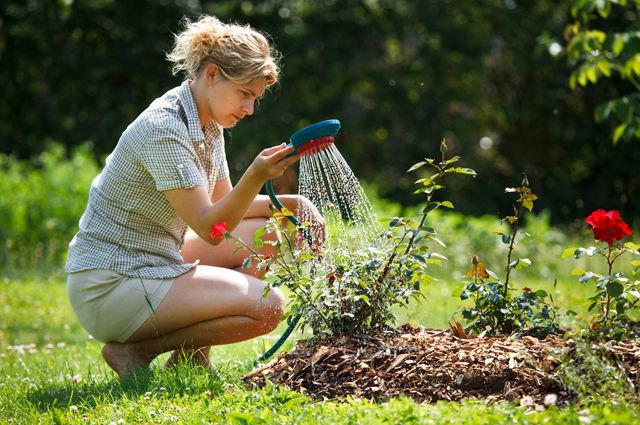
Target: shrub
x,y
42,205
496,310
346,289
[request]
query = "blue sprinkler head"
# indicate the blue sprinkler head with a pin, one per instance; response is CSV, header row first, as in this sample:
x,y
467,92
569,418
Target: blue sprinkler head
x,y
315,137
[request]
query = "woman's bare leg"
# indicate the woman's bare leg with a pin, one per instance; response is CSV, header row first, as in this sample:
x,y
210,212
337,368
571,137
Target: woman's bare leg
x,y
206,306
221,255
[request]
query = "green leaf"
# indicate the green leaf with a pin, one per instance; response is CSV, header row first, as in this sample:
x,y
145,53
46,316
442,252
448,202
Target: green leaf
x,y
623,109
259,233
618,44
604,67
429,207
582,77
438,241
452,160
446,204
618,132
592,74
416,166
577,272
569,252
614,289
492,274
632,246
602,111
457,291
541,293
586,277
246,263
603,7
395,222
468,171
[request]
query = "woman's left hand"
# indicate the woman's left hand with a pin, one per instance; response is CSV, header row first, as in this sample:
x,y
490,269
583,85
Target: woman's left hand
x,y
307,211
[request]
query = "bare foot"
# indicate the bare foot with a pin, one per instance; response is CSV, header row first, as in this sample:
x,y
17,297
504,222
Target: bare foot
x,y
124,359
199,357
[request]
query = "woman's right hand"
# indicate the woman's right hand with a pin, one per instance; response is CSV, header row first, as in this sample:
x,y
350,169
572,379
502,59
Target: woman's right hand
x,y
272,162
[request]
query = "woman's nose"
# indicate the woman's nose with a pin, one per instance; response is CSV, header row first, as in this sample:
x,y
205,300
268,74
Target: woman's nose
x,y
248,107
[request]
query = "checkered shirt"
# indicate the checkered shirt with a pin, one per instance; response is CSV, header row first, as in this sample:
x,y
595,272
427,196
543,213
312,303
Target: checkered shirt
x,y
128,225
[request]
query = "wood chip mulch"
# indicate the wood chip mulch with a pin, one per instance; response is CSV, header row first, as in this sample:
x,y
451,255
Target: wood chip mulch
x,y
430,365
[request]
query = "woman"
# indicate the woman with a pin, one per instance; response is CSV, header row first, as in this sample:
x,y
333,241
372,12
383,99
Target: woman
x,y
138,280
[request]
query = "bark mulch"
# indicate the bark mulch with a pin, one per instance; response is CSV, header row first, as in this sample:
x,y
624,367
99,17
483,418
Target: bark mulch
x,y
430,365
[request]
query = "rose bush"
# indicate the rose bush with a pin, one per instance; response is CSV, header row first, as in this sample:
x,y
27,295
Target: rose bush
x,y
351,290
616,294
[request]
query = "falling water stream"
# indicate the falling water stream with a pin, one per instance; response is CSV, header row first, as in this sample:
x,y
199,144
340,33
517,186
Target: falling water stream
x,y
327,181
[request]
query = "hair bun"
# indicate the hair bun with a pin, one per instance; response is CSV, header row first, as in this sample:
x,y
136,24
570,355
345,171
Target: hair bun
x,y
242,53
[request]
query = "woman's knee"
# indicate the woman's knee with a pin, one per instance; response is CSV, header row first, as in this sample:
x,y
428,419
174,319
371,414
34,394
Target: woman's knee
x,y
272,309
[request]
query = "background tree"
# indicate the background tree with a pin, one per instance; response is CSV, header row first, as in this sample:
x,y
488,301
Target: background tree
x,y
599,50
491,77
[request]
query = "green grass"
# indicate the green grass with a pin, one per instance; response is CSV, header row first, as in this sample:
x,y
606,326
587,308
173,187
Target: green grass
x,y
52,372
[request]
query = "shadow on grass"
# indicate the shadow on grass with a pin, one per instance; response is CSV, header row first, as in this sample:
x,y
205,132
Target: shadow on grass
x,y
154,382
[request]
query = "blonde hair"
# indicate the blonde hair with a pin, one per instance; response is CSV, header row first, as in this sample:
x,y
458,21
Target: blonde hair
x,y
242,54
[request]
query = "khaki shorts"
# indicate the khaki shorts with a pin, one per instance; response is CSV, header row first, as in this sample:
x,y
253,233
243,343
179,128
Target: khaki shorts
x,y
110,306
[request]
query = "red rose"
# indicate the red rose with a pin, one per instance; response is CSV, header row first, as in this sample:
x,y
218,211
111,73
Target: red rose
x,y
218,230
608,226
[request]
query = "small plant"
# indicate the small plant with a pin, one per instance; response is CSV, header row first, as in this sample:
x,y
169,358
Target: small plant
x,y
615,293
496,310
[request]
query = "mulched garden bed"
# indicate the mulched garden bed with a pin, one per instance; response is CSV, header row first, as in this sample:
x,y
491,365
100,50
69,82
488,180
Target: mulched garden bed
x,y
430,365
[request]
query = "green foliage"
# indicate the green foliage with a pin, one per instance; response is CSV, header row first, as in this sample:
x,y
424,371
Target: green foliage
x,y
592,374
343,289
496,310
42,205
600,51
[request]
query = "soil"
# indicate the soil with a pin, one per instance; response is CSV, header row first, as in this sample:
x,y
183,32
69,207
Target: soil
x,y
429,365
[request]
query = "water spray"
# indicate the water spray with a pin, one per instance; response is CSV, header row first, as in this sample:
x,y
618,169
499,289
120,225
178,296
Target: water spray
x,y
307,141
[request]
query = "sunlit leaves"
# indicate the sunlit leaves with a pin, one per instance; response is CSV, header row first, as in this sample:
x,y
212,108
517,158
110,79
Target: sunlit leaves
x,y
526,196
597,53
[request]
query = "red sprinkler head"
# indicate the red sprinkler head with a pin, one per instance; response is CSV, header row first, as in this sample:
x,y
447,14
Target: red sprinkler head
x,y
316,145
315,138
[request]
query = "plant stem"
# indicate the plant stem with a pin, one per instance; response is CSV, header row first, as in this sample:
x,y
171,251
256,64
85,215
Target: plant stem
x,y
310,302
608,302
413,235
511,244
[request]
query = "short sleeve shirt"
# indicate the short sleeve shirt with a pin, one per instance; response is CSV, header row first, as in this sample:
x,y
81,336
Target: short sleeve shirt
x,y
128,225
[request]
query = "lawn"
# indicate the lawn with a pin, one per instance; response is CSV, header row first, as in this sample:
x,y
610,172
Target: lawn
x,y
51,372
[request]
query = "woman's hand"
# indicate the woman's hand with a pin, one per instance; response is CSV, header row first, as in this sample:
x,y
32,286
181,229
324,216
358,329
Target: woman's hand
x,y
309,212
271,162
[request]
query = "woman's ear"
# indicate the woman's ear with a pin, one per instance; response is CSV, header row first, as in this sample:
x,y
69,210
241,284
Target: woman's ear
x,y
210,73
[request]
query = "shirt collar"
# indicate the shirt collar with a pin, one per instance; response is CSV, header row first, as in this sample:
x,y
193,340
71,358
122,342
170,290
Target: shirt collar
x,y
196,132
193,121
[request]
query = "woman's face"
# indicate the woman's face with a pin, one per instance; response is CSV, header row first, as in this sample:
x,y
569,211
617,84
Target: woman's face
x,y
230,102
